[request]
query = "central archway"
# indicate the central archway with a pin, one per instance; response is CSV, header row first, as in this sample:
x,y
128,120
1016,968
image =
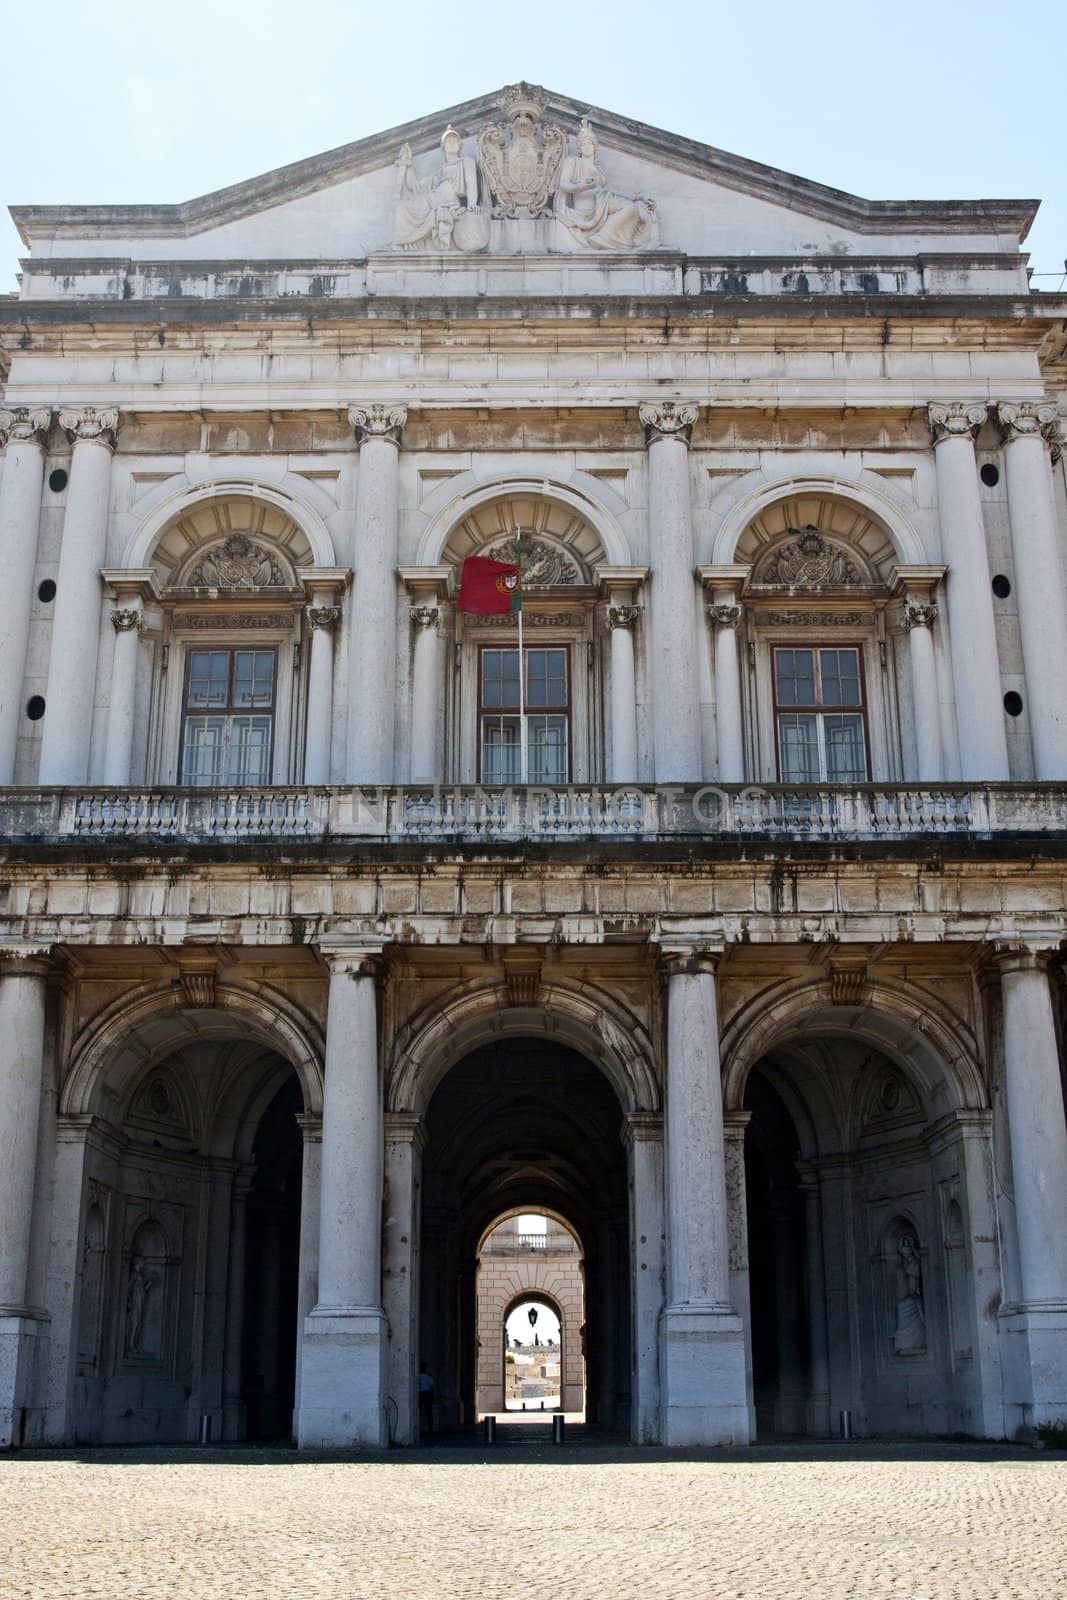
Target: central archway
x,y
524,1124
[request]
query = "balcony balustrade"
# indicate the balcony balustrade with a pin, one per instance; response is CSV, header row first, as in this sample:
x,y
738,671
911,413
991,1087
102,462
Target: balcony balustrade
x,y
464,814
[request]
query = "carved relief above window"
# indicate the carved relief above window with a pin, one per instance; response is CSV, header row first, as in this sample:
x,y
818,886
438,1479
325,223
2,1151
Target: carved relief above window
x,y
807,560
238,563
560,549
544,566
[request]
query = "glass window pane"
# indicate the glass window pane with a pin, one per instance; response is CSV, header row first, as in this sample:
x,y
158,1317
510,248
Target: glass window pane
x,y
798,746
202,755
253,678
209,672
795,677
546,677
501,752
249,753
500,678
840,671
547,761
846,758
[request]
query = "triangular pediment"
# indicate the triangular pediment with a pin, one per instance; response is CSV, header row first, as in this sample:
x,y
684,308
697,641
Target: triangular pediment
x,y
518,154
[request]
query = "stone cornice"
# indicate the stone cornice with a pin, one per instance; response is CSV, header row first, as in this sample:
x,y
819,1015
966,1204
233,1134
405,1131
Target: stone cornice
x,y
735,172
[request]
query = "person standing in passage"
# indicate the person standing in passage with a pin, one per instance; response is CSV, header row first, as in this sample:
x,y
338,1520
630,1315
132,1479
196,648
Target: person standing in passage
x,y
426,1394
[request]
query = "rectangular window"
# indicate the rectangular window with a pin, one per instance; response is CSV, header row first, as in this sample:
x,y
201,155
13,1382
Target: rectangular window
x,y
228,718
817,744
548,716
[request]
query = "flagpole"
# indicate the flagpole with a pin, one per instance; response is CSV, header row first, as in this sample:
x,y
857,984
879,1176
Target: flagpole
x,y
524,761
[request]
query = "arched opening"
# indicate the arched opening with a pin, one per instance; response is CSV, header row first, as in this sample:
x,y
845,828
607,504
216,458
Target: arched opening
x,y
530,1316
186,1305
523,1125
865,1244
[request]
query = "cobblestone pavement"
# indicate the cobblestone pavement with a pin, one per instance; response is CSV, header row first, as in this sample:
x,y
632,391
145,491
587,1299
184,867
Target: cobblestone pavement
x,y
533,1523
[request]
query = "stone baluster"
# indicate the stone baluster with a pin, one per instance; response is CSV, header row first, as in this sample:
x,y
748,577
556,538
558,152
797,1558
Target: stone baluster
x,y
675,681
1038,1138
372,641
68,721
1028,430
23,430
22,1008
972,631
703,1354
343,1344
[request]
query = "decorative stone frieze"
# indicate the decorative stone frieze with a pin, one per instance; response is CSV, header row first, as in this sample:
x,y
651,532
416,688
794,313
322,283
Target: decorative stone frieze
x,y
97,424
815,619
956,419
24,424
668,419
378,422
1024,418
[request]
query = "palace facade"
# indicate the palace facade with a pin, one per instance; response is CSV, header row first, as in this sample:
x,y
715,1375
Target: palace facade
x,y
754,986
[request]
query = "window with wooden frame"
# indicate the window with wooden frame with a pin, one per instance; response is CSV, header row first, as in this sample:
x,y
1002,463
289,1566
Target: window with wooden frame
x,y
820,714
228,706
548,715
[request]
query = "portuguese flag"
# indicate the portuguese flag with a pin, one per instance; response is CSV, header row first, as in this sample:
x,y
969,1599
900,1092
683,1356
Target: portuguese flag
x,y
489,588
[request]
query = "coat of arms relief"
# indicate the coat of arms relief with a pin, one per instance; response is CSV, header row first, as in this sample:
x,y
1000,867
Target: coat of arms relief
x,y
520,170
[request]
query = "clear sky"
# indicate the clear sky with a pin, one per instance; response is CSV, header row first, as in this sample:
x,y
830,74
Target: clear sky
x,y
910,99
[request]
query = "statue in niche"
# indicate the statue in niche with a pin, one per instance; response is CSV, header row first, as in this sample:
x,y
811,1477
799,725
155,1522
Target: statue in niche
x,y
441,212
142,1284
909,1335
595,215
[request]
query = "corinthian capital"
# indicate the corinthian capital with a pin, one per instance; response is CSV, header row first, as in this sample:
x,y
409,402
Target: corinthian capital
x,y
1024,419
24,424
125,619
918,614
668,419
378,422
956,419
725,615
99,424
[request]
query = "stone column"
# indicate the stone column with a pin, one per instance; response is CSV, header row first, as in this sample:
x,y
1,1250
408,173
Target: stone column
x,y
69,702
919,615
307,1289
372,643
425,693
322,621
726,619
23,430
344,1336
972,631
622,620
703,1350
22,1000
1028,430
735,1126
233,1406
128,623
819,1399
643,1137
405,1139
673,645
1038,1137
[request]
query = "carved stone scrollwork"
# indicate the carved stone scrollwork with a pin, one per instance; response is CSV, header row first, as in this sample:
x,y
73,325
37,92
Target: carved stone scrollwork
x,y
325,617
848,978
24,424
520,159
1024,418
919,614
623,616
725,615
125,619
522,976
424,616
198,987
956,419
99,424
237,564
378,422
668,419
809,561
